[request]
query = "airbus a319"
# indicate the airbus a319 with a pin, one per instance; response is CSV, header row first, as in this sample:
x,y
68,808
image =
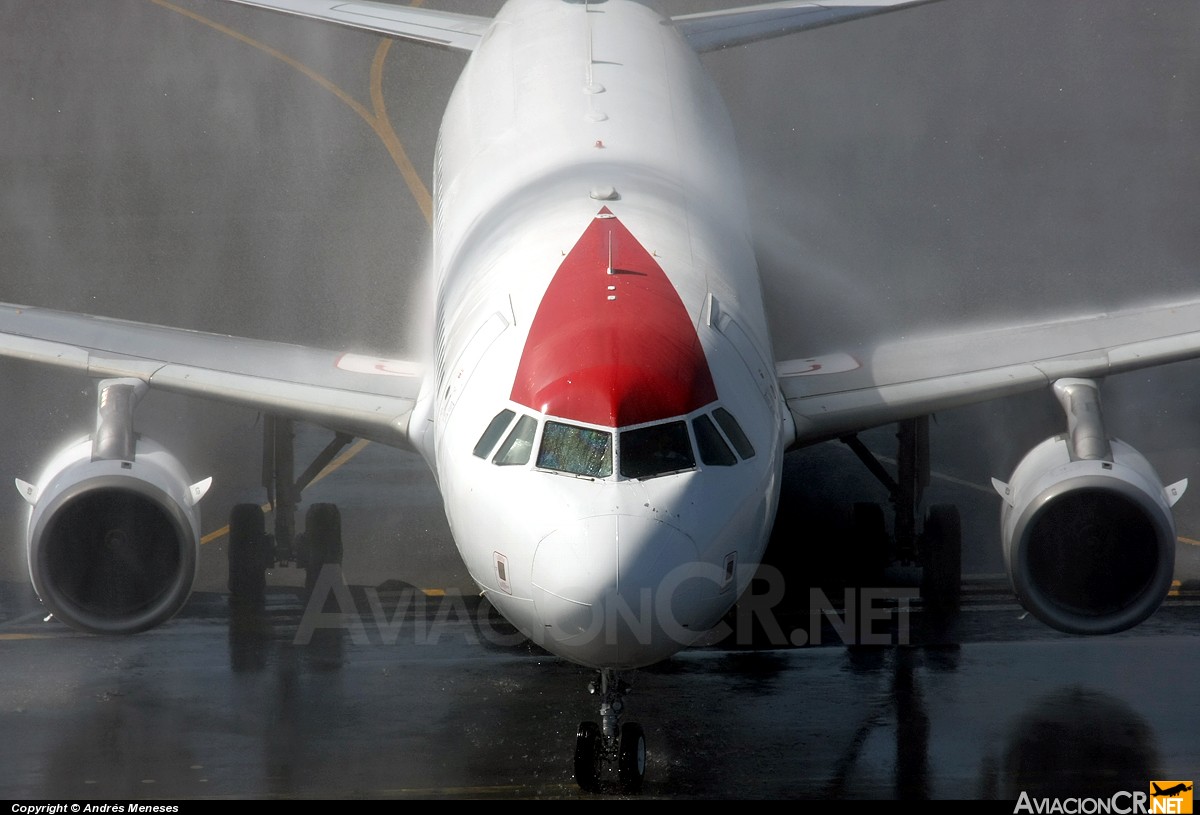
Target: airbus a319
x,y
605,415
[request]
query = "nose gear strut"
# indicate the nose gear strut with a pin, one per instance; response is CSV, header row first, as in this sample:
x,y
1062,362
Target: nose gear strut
x,y
601,747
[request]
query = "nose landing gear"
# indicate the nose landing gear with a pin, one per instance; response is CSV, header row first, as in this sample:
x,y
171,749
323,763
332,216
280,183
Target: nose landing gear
x,y
599,748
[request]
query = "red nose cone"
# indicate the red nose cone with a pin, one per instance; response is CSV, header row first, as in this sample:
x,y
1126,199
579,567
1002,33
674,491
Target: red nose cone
x,y
615,348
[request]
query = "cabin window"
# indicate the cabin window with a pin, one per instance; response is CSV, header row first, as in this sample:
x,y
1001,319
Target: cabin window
x,y
713,449
519,444
492,434
577,450
656,450
734,431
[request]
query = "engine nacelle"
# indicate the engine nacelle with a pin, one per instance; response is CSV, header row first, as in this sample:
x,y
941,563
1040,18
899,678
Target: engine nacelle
x,y
113,543
1089,543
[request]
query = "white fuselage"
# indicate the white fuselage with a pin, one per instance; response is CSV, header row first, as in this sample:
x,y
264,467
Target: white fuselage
x,y
590,234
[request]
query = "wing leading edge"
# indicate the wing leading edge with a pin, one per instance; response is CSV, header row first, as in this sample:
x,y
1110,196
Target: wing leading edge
x,y
905,379
442,28
363,396
709,31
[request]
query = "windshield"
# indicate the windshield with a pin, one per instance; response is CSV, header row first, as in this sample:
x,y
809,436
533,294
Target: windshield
x,y
642,452
656,450
578,450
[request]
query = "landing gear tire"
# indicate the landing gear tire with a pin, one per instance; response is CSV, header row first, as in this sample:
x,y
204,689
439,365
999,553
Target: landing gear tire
x,y
322,541
631,760
587,755
249,553
941,559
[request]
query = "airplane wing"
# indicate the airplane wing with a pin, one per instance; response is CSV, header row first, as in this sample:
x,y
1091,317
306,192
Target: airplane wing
x,y
441,28
707,31
849,391
360,395
712,30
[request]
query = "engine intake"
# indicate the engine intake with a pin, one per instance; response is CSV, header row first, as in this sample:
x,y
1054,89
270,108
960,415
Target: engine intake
x,y
113,543
1089,543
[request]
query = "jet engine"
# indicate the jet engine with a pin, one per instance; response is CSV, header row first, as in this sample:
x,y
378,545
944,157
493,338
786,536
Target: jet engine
x,y
114,532
1086,525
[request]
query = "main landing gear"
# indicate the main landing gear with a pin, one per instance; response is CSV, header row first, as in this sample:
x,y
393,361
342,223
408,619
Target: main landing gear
x,y
937,547
252,550
601,747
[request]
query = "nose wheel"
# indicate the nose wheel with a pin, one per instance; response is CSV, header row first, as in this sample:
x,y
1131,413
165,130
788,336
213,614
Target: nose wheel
x,y
631,757
610,747
587,757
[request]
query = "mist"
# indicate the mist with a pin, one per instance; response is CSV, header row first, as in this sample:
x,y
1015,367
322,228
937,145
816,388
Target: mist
x,y
961,166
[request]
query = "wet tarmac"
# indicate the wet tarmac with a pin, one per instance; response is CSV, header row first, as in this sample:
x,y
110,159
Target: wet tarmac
x,y
156,167
423,697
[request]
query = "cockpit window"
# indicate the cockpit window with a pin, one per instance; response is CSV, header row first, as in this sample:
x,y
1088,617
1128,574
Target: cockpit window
x,y
734,431
656,450
644,452
573,449
519,444
491,435
713,449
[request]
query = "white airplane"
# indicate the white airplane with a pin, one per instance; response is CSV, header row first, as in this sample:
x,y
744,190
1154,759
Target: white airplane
x,y
605,417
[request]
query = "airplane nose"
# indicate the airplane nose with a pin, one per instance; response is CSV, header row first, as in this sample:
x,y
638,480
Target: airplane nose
x,y
619,591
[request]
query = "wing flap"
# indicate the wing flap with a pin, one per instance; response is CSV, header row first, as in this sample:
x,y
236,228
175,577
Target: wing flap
x,y
709,31
371,401
900,380
442,28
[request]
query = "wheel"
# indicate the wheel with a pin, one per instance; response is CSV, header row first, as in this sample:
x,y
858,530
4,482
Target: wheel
x,y
587,754
248,553
631,758
941,558
322,541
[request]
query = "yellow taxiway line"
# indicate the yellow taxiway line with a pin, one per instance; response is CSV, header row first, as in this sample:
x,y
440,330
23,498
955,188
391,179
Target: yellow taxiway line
x,y
378,121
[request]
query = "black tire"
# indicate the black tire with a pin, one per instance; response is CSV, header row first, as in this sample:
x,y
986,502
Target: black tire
x,y
941,559
587,755
248,553
322,541
631,758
